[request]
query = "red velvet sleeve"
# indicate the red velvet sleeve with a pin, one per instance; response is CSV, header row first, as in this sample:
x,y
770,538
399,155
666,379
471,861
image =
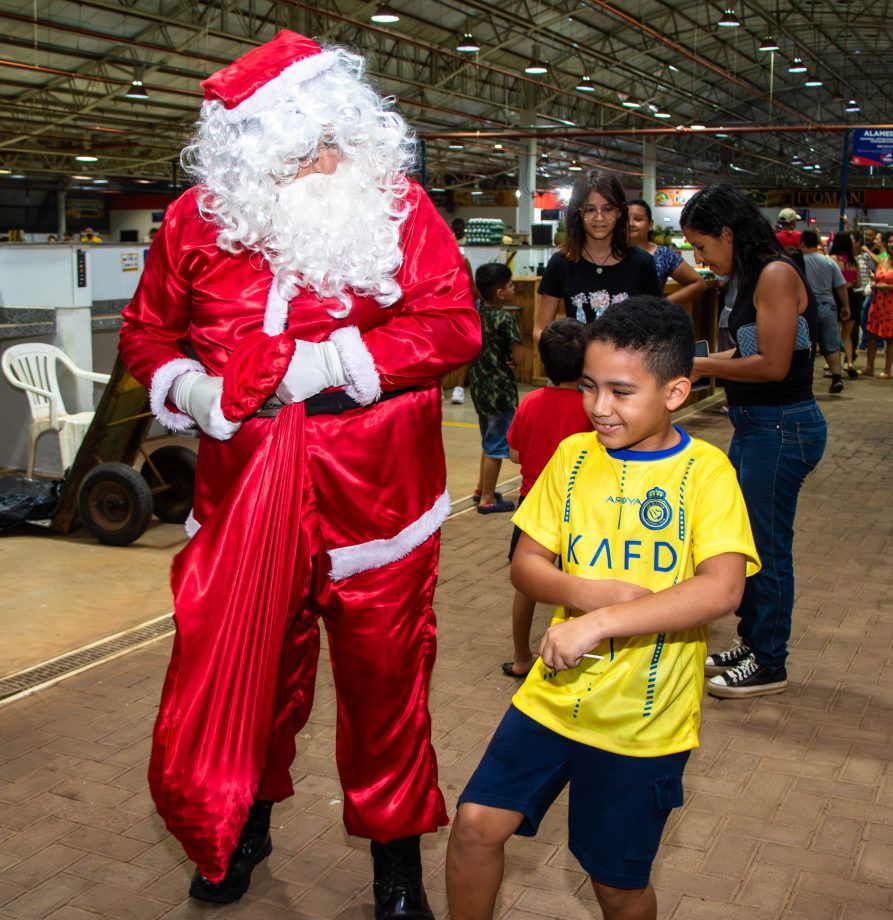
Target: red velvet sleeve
x,y
437,328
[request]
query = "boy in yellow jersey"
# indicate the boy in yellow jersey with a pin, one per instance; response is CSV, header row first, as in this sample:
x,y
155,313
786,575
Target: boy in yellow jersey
x,y
655,543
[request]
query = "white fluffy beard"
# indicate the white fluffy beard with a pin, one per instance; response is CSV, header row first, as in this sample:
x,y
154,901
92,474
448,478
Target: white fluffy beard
x,y
336,234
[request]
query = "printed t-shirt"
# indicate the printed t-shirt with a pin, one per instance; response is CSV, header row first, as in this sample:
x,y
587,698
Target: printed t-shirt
x,y
649,518
490,379
543,420
588,290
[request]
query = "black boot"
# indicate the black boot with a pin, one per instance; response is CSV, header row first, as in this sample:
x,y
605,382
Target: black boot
x,y
254,845
397,868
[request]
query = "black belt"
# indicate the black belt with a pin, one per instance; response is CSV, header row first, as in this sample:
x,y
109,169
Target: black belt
x,y
333,403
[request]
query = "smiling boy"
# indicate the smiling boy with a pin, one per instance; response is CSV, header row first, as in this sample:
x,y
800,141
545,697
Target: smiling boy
x,y
655,543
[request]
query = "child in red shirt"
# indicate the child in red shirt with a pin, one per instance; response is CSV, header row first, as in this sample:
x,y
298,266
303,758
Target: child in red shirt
x,y
543,420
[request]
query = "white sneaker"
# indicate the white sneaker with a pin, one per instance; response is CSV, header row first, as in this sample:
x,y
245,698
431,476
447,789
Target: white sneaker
x,y
458,396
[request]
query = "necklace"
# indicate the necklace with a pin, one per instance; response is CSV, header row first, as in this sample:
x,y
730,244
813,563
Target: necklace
x,y
599,267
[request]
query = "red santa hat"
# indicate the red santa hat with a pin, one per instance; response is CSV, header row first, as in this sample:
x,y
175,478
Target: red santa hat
x,y
262,78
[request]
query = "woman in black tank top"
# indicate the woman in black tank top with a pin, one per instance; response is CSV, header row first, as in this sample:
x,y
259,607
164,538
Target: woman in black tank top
x,y
780,432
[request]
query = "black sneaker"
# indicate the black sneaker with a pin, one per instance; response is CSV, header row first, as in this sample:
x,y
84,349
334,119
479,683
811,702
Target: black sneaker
x,y
727,658
747,679
254,846
397,885
836,384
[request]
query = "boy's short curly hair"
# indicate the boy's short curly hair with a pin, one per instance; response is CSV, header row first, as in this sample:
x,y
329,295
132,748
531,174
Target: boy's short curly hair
x,y
562,346
655,328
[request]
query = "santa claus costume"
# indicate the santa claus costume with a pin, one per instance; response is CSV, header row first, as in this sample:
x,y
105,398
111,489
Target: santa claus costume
x,y
305,261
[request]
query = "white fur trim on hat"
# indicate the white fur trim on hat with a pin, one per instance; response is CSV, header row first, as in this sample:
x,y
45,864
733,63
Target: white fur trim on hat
x,y
363,382
276,312
349,560
278,89
161,384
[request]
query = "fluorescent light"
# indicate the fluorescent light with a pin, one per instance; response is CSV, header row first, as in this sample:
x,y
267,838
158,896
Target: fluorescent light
x,y
585,85
385,14
86,158
468,44
100,181
699,127
82,178
5,172
476,192
140,181
662,115
852,106
575,167
455,145
497,146
536,67
17,176
721,136
813,81
438,189
797,66
630,104
768,43
729,20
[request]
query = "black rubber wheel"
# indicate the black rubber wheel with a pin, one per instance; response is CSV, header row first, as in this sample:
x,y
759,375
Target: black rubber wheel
x,y
176,467
115,504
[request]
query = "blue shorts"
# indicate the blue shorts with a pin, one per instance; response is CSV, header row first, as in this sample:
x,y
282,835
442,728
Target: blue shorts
x,y
494,429
618,805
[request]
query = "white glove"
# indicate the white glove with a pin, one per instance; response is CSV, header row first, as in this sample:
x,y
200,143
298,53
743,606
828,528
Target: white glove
x,y
198,395
314,367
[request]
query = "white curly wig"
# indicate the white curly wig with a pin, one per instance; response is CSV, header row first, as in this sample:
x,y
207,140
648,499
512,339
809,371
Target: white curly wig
x,y
325,232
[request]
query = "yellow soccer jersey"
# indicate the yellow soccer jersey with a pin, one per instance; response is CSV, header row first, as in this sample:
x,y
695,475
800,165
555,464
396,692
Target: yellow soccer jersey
x,y
649,518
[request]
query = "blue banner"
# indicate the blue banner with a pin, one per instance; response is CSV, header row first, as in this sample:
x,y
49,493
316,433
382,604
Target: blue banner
x,y
872,147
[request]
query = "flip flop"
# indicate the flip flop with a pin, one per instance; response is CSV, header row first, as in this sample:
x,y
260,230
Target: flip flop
x,y
499,505
509,672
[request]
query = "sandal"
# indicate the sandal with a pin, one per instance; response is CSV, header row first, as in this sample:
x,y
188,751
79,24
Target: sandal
x,y
499,505
509,671
865,372
883,375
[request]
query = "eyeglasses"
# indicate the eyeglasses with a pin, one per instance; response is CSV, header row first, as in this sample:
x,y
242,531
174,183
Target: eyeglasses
x,y
590,212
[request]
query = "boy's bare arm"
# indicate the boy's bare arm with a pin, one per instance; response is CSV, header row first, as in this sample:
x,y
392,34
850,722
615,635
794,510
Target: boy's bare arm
x,y
714,591
517,359
535,576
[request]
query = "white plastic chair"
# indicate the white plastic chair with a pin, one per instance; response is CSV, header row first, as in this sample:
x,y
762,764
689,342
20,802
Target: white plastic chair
x,y
31,367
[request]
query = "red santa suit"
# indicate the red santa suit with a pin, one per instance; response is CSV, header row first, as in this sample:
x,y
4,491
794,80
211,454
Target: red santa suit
x,y
298,516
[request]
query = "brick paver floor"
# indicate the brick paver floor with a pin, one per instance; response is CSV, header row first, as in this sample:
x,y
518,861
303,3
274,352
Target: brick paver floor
x,y
789,800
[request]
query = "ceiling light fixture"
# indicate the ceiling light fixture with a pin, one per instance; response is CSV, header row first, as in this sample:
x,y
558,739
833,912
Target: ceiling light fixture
x,y
137,92
575,167
82,178
438,189
699,127
797,66
729,20
467,44
455,145
721,135
385,14
536,67
497,147
630,104
100,181
852,106
86,158
813,81
768,43
585,85
661,114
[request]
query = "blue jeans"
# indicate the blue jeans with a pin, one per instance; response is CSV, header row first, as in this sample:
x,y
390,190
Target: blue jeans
x,y
773,450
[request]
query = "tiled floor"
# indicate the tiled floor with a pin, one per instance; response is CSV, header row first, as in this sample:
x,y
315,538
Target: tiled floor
x,y
789,808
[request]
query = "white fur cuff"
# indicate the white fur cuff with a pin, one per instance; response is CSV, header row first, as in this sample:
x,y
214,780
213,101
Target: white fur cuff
x,y
161,384
276,312
349,560
363,382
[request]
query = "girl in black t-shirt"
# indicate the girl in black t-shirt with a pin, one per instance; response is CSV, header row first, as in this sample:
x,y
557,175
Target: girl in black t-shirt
x,y
596,266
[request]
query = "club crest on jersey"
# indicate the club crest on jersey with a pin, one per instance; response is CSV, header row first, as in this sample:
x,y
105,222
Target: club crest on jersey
x,y
655,512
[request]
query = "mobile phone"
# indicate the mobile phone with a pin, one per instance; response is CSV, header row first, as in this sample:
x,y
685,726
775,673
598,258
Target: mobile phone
x,y
701,351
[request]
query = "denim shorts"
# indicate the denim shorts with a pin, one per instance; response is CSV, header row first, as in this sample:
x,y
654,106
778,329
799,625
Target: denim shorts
x,y
494,429
618,805
827,334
